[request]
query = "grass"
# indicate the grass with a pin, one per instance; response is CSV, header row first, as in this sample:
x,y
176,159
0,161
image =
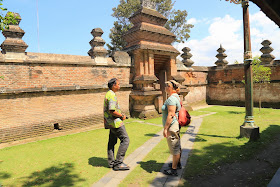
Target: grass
x,y
198,112
218,139
72,160
80,159
157,121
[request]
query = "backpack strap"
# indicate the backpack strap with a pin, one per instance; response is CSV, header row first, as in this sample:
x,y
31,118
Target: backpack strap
x,y
181,107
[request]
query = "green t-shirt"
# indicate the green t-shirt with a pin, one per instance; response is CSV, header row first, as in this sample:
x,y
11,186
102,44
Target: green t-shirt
x,y
111,103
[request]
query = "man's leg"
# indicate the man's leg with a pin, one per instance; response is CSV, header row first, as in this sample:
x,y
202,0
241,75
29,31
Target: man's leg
x,y
111,147
124,143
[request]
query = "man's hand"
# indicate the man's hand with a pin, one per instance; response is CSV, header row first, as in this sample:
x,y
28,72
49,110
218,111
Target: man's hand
x,y
123,117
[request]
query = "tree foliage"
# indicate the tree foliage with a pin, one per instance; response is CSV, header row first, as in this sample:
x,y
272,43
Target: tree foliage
x,y
10,18
177,21
261,76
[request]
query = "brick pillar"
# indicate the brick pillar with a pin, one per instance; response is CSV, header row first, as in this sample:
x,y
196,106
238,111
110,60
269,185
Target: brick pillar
x,y
151,64
171,69
146,62
144,92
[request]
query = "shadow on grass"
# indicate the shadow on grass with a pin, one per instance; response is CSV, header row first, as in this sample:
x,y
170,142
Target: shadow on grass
x,y
4,175
206,162
217,136
199,139
235,112
60,175
151,166
98,162
152,135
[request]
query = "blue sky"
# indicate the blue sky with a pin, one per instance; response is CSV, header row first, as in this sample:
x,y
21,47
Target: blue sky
x,y
65,26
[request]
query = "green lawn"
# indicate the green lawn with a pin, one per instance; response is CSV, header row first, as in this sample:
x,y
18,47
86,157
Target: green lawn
x,y
80,159
217,143
218,139
72,160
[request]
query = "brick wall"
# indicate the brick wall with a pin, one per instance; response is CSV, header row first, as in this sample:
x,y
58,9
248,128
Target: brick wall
x,y
196,81
41,91
225,87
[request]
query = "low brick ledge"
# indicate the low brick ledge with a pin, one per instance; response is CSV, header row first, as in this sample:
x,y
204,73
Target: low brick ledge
x,y
63,88
24,131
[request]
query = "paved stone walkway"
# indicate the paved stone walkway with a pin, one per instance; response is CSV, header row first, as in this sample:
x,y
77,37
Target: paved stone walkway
x,y
275,182
114,178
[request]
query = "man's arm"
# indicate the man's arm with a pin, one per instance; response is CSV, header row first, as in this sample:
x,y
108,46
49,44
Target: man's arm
x,y
117,114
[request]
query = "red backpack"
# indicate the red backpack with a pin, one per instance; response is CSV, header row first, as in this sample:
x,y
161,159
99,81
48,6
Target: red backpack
x,y
184,116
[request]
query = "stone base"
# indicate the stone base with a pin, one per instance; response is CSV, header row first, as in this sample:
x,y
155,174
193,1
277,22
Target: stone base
x,y
145,114
250,132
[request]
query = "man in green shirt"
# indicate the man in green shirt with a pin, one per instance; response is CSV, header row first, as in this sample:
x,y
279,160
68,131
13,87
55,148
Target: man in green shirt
x,y
113,120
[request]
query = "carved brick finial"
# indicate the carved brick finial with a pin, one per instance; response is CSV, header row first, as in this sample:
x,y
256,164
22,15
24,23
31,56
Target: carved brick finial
x,y
221,57
266,57
13,35
148,4
187,57
97,51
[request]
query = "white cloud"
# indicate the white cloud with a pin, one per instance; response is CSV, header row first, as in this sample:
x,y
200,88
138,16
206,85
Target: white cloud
x,y
262,28
192,21
229,32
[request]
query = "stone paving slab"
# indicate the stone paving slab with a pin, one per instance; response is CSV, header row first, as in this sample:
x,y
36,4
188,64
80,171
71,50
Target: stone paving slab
x,y
187,142
275,182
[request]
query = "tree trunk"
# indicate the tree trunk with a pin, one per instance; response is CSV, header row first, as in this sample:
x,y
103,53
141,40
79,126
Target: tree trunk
x,y
260,100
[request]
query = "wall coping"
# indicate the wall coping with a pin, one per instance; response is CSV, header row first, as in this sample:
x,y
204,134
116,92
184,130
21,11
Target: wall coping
x,y
238,66
194,69
56,59
62,88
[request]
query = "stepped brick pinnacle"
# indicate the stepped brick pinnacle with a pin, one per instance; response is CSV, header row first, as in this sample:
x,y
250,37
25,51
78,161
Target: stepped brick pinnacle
x,y
266,57
13,35
187,57
97,44
221,57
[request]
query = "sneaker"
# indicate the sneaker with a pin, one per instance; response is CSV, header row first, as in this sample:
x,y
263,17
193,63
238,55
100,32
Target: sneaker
x,y
172,172
179,166
111,166
121,167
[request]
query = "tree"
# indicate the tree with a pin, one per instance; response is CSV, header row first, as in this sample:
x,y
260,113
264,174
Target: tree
x,y
10,18
261,75
177,21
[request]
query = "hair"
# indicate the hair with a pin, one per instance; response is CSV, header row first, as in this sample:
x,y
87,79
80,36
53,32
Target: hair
x,y
175,85
112,82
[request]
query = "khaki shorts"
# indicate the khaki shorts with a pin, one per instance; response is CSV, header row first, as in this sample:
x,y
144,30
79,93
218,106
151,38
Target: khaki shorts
x,y
173,139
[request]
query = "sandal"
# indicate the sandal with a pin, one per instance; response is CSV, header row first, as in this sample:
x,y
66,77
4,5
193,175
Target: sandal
x,y
172,172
